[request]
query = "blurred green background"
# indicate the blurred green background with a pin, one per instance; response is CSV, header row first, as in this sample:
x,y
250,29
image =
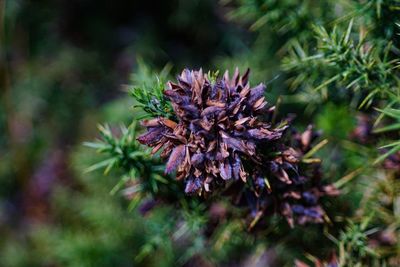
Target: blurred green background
x,y
63,65
64,68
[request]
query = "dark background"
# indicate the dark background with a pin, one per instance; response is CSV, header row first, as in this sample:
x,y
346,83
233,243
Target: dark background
x,y
63,65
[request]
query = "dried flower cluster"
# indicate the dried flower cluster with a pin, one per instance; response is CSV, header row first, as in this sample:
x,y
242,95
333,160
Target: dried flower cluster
x,y
222,133
218,127
295,185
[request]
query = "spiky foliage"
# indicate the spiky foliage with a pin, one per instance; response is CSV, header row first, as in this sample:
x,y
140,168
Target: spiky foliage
x,y
287,19
148,92
363,67
139,170
392,148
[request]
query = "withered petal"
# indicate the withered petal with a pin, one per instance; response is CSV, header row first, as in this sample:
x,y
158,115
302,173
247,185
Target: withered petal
x,y
245,77
176,158
152,137
213,103
225,169
151,123
193,185
234,143
236,166
211,110
241,121
256,93
169,123
197,159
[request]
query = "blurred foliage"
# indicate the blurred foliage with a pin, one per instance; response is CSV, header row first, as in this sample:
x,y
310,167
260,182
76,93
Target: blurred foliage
x,y
62,64
363,67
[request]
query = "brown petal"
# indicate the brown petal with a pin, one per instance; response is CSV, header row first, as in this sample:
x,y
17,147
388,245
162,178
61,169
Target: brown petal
x,y
256,93
176,137
168,147
236,167
284,177
187,160
206,124
263,134
225,169
244,79
287,212
213,103
237,108
291,155
197,173
186,77
197,159
306,137
176,158
152,137
245,91
253,122
258,107
243,174
259,103
222,116
234,143
234,105
224,150
210,110
196,92
292,194
151,123
190,110
168,123
212,168
207,183
193,185
226,77
180,174
174,86
235,78
211,146
241,121
176,98
159,146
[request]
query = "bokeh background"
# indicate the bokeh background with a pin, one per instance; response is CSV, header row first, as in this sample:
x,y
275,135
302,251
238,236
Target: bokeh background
x,y
65,66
